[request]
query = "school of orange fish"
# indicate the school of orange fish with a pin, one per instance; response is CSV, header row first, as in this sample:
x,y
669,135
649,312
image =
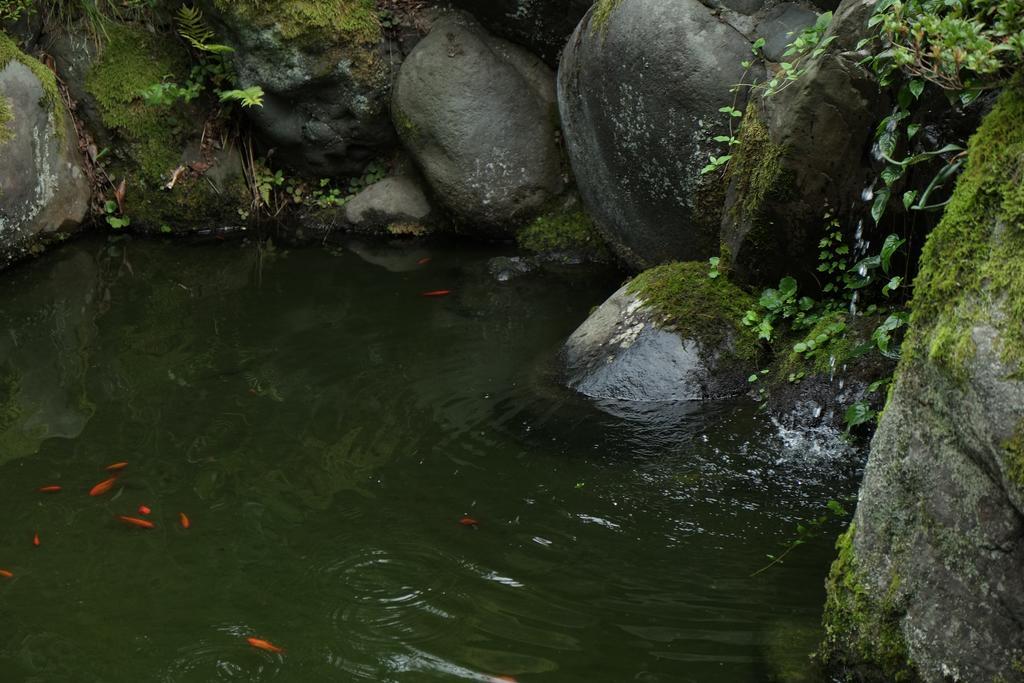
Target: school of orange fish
x,y
116,468
106,486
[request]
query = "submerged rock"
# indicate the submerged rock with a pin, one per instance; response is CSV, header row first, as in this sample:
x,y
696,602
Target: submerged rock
x,y
672,334
640,86
929,584
478,115
43,189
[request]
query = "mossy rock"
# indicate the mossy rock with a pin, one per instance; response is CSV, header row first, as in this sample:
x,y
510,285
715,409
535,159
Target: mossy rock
x,y
326,76
935,561
565,231
863,639
672,334
153,141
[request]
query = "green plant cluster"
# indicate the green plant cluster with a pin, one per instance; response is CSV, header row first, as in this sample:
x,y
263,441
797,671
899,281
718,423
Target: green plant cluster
x,y
960,45
211,71
275,191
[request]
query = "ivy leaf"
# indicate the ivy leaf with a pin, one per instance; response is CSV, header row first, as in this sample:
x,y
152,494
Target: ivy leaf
x,y
916,88
889,247
881,201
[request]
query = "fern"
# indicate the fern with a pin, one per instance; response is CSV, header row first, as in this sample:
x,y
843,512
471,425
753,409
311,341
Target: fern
x,y
250,97
194,29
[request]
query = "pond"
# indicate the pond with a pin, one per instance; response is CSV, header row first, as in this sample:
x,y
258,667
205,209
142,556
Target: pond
x,y
327,429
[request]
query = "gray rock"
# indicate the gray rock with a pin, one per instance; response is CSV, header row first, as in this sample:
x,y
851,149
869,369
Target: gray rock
x,y
622,353
780,25
506,268
43,190
326,96
394,200
808,147
640,98
478,115
543,26
929,584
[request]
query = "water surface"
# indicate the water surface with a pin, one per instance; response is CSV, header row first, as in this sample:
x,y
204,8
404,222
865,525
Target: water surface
x,y
325,428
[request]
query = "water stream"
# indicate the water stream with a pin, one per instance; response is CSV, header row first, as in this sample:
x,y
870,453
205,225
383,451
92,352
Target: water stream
x,y
325,428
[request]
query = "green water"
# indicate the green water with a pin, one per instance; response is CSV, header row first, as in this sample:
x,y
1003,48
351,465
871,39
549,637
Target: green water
x,y
325,428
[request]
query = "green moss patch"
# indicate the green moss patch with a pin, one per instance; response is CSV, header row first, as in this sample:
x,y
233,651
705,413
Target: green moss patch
x,y
602,11
859,630
6,117
133,59
354,21
568,230
972,266
1014,449
756,170
709,309
9,52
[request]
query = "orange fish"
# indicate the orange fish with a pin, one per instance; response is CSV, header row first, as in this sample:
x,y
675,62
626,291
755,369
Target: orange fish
x,y
143,510
35,540
116,467
438,292
423,261
103,487
49,489
6,574
135,521
508,679
264,645
184,520
468,521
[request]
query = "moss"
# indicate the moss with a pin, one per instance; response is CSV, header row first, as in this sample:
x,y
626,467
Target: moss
x,y
756,170
602,11
1014,455
355,21
51,93
705,307
6,117
566,230
407,229
972,265
859,630
132,60
193,203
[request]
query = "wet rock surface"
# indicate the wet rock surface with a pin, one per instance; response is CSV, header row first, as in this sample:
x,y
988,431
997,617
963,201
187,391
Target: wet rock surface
x,y
478,115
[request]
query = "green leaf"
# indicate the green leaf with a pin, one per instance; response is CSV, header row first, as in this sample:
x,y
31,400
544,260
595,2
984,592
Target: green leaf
x,y
916,88
889,247
857,414
881,201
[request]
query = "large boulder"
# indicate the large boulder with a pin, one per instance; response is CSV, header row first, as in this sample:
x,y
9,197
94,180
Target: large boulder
x,y
543,27
640,86
325,70
929,584
803,152
478,115
43,189
672,334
